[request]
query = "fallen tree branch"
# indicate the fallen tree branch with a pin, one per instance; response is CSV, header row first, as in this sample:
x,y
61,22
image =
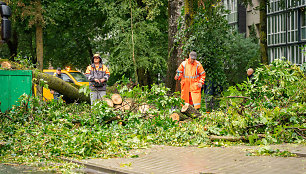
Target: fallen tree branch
x,y
232,138
239,97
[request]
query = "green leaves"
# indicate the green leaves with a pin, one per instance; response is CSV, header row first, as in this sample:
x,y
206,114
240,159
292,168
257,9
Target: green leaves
x,y
85,89
274,102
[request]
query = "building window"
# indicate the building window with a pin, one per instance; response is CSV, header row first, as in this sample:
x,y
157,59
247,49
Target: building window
x,y
303,24
231,5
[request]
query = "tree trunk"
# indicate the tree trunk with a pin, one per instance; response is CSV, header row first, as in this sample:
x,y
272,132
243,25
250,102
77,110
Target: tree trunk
x,y
174,9
39,43
263,31
59,85
13,45
190,111
178,116
39,36
189,13
53,82
133,51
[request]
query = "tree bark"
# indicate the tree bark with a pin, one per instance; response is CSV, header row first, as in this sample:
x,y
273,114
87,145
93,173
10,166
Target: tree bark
x,y
174,9
178,116
189,13
232,138
128,104
13,45
190,111
133,51
70,92
263,31
39,36
39,43
119,107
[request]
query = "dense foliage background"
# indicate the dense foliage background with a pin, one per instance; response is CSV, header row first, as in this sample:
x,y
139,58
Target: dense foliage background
x,y
124,31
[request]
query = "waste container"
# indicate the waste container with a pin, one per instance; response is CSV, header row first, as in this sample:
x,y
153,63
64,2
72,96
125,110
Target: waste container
x,y
14,83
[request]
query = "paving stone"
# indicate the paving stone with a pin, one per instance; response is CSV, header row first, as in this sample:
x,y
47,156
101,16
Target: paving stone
x,y
188,160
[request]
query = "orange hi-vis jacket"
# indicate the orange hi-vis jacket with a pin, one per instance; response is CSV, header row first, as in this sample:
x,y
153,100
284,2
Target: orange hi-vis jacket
x,y
191,75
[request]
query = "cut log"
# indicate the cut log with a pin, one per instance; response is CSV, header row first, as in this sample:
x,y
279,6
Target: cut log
x,y
175,116
178,116
128,104
117,99
185,121
109,102
190,111
119,107
6,65
144,108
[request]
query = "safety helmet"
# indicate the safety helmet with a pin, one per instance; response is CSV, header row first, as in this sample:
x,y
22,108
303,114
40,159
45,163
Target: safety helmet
x,y
96,55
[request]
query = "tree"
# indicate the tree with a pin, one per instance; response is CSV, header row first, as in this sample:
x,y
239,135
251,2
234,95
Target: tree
x,y
69,28
240,54
73,27
223,54
149,38
207,36
263,31
174,12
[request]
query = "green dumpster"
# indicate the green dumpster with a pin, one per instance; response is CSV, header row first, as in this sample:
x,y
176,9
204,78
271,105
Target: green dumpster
x,y
14,83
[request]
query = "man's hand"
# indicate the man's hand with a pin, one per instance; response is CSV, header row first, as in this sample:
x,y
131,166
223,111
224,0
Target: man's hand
x,y
97,80
102,80
200,85
175,77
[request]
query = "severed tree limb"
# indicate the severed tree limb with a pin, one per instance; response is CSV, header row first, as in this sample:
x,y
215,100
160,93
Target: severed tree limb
x,y
239,97
232,138
60,86
53,82
190,111
112,119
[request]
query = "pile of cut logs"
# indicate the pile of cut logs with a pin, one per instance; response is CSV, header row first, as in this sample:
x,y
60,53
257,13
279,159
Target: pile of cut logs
x,y
129,105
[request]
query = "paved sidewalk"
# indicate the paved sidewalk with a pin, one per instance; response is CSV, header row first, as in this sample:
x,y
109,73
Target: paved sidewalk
x,y
189,160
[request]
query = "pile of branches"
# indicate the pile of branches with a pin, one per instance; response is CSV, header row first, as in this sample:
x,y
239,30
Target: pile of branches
x,y
273,105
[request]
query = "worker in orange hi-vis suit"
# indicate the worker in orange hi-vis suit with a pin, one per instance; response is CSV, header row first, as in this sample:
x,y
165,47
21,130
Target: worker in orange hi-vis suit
x,y
192,75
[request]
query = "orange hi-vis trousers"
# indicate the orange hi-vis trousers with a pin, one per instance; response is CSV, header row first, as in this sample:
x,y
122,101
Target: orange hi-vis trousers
x,y
191,75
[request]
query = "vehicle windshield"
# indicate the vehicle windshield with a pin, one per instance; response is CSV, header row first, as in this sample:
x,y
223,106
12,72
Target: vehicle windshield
x,y
79,77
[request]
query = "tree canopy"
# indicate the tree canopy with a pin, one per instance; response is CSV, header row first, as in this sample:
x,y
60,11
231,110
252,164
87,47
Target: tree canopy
x,y
132,36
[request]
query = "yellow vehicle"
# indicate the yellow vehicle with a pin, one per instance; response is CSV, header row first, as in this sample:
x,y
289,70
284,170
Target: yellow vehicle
x,y
71,76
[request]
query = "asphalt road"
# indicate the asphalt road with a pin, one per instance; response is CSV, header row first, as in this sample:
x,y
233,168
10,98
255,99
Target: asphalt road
x,y
12,169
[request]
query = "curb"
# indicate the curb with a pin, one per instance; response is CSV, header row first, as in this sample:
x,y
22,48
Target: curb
x,y
99,168
298,154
